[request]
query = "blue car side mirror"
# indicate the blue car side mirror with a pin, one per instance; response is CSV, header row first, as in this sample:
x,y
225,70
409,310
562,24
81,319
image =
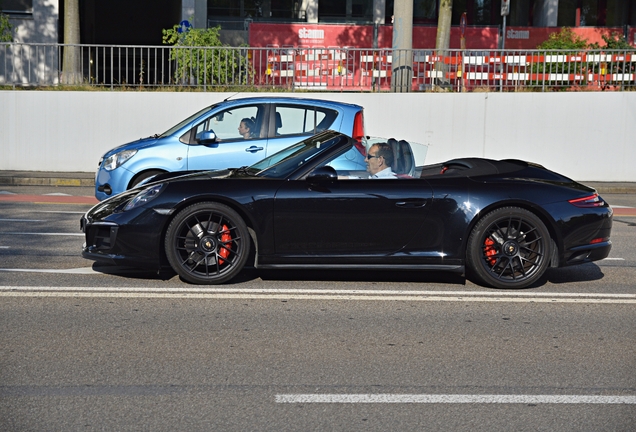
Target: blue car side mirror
x,y
206,137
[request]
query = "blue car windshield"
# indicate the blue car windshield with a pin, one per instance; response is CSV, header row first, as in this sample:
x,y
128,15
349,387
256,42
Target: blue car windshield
x,y
190,119
286,161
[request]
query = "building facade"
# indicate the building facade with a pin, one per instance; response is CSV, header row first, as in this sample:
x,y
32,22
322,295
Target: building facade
x,y
539,13
139,22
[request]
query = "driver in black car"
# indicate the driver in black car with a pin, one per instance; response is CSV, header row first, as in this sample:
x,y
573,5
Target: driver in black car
x,y
379,160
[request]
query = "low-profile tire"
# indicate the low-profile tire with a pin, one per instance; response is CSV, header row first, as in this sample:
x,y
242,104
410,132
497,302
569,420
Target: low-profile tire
x,y
508,248
207,243
143,176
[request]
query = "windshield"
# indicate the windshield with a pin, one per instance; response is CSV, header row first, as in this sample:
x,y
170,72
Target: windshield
x,y
286,161
181,124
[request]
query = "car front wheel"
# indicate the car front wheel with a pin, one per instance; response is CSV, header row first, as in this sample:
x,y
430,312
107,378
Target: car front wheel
x,y
143,176
508,248
207,243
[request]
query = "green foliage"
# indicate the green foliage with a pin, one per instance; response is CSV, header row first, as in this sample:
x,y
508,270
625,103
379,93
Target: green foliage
x,y
566,42
565,39
201,58
615,41
192,37
6,31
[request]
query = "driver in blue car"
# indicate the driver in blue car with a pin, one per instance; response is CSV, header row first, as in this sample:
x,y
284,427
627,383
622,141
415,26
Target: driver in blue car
x,y
246,128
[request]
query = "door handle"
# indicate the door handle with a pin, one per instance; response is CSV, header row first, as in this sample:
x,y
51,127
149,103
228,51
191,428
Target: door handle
x,y
253,149
410,204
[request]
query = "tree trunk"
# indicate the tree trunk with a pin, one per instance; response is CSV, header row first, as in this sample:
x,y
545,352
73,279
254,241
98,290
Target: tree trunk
x,y
402,69
71,67
442,42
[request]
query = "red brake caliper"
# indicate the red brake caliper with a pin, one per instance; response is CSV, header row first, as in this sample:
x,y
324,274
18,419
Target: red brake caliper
x,y
490,251
225,239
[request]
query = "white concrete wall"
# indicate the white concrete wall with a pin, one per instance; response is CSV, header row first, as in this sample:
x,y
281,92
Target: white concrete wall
x,y
586,136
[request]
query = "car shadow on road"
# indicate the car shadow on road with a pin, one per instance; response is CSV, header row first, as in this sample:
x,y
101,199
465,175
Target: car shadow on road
x,y
363,276
249,274
579,273
134,272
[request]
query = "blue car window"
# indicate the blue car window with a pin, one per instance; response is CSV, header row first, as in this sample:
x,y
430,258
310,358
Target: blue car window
x,y
181,124
302,119
227,124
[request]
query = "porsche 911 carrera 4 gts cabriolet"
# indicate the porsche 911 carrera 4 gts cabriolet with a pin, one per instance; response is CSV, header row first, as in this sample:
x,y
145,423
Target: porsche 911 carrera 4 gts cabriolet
x,y
502,223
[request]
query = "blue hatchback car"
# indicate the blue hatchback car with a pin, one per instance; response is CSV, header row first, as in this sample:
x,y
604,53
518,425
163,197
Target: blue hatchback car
x,y
231,133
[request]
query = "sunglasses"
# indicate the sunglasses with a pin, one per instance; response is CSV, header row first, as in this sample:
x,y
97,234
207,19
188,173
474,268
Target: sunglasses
x,y
370,156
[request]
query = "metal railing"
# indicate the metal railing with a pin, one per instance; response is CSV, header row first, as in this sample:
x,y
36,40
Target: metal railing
x,y
336,68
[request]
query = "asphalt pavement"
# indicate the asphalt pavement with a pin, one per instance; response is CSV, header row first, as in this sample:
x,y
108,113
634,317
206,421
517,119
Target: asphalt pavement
x,y
87,179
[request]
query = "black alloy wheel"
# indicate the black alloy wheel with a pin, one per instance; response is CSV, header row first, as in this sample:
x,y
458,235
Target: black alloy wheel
x,y
207,243
509,248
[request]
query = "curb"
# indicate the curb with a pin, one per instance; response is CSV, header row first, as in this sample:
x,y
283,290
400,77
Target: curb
x,y
36,178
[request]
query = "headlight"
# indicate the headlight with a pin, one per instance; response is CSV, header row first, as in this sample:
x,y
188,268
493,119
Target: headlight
x,y
144,197
118,159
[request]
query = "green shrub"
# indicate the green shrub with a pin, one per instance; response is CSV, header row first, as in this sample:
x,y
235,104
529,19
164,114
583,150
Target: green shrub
x,y
566,42
566,39
6,31
201,58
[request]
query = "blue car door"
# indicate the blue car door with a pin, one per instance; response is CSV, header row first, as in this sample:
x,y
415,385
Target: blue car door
x,y
241,138
226,154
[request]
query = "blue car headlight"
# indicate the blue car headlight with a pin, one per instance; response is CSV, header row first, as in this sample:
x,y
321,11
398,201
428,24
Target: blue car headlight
x,y
118,159
144,197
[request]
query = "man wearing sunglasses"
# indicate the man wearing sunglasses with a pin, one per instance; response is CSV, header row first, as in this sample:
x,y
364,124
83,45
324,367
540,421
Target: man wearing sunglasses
x,y
379,160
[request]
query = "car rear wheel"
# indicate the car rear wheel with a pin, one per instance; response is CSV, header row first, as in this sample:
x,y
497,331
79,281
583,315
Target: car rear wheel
x,y
508,248
207,243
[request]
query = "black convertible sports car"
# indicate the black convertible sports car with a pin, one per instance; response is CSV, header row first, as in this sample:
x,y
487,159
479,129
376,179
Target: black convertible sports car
x,y
502,223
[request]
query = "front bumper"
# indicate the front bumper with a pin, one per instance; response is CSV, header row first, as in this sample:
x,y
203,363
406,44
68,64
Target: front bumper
x,y
131,238
110,183
112,244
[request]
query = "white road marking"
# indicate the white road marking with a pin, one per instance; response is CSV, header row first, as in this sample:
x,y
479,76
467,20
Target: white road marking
x,y
454,399
613,259
313,294
4,247
57,194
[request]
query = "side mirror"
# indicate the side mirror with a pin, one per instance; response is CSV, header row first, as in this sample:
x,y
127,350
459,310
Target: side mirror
x,y
323,174
206,137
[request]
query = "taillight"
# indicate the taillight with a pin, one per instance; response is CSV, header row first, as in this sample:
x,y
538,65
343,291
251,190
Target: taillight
x,y
599,240
588,201
360,147
358,126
